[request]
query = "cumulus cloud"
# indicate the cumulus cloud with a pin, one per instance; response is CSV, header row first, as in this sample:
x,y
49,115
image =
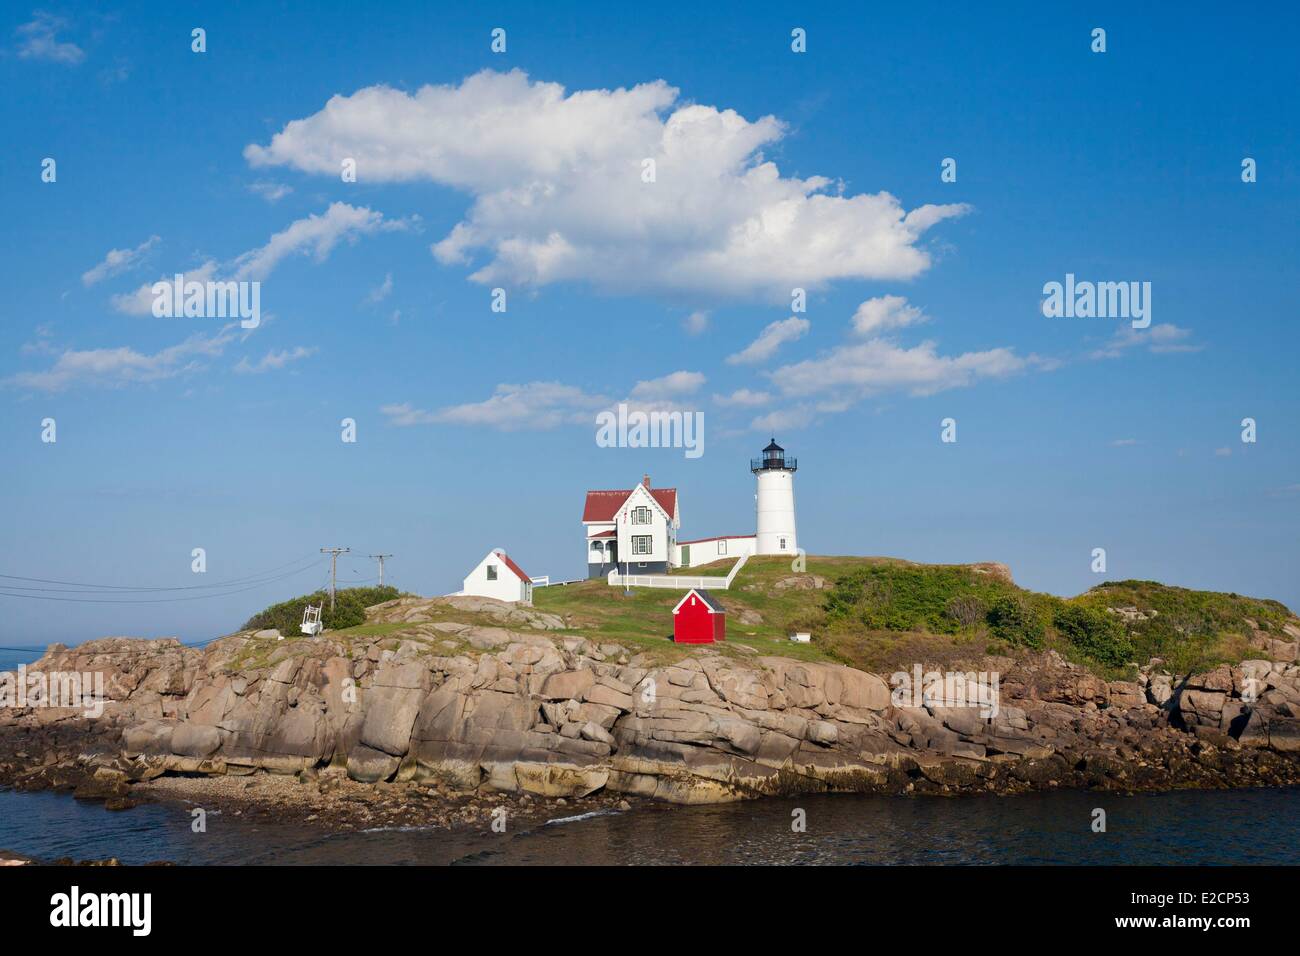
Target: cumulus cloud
x,y
559,192
315,236
884,313
534,405
273,360
117,261
668,387
38,40
115,367
860,368
1160,339
697,323
769,340
271,192
876,366
544,405
743,398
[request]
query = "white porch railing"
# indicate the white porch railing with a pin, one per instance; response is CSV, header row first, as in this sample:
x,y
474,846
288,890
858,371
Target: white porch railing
x,y
679,581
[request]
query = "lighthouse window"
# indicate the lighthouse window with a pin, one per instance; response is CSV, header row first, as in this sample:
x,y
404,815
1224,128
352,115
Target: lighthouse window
x,y
641,543
641,515
783,544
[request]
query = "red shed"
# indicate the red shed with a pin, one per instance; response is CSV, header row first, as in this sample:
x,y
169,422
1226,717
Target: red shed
x,y
698,618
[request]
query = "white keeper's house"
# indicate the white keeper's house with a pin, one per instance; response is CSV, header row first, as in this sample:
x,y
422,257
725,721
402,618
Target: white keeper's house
x,y
634,530
496,576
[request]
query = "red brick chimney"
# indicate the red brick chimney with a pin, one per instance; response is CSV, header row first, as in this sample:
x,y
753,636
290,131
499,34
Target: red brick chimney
x,y
645,480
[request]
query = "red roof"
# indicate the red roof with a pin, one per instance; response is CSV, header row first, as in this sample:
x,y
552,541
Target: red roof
x,y
603,534
519,572
603,505
709,600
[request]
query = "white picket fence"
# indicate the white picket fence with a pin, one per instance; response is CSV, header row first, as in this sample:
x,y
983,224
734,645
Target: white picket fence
x,y
679,581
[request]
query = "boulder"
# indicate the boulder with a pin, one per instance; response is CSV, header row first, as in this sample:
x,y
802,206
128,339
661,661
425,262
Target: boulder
x,y
367,765
195,740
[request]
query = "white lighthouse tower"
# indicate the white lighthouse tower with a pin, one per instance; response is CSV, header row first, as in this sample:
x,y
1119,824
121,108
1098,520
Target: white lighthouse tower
x,y
775,497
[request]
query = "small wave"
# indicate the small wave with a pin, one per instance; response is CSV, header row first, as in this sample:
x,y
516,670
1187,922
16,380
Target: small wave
x,y
406,828
580,816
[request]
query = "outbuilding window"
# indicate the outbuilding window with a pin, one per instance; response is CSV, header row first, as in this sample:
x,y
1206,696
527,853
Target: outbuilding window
x,y
492,572
722,547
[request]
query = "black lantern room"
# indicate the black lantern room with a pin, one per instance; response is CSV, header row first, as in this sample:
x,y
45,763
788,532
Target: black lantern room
x,y
774,459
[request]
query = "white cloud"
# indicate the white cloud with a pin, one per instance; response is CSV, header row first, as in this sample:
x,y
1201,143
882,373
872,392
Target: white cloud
x,y
381,291
697,323
271,192
770,339
884,313
535,405
117,261
877,366
1160,339
1222,452
558,193
543,405
1124,443
273,360
314,235
38,40
784,419
124,366
743,398
668,387
140,300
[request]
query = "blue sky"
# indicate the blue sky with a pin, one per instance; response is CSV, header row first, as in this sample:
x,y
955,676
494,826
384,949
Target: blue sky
x,y
1073,433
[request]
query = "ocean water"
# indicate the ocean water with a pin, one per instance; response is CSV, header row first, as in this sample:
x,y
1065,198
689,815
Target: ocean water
x,y
1213,828
11,659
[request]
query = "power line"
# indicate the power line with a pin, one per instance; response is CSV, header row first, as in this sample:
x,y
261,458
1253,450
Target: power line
x,y
87,588
196,597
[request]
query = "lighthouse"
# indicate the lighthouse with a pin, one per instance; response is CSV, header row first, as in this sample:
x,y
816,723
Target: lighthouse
x,y
775,497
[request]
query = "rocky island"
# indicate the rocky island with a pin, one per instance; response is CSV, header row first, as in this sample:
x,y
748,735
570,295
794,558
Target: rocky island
x,y
442,711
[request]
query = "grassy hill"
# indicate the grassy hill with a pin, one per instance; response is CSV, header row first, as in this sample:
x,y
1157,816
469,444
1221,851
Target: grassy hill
x,y
877,614
882,614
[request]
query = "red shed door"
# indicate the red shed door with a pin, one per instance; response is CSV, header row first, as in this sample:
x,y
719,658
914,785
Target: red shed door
x,y
692,624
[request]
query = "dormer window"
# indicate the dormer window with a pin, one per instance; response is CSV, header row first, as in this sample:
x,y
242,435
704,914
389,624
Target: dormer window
x,y
640,515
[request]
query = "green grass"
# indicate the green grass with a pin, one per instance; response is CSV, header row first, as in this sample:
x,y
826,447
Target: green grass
x,y
877,614
883,614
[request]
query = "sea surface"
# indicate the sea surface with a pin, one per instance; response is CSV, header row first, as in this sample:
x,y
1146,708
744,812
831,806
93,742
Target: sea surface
x,y
1220,828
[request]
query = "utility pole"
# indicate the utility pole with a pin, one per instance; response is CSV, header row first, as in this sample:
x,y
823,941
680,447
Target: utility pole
x,y
380,559
334,561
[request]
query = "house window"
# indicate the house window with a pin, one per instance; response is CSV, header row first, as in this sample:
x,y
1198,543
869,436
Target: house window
x,y
722,547
641,544
641,515
492,572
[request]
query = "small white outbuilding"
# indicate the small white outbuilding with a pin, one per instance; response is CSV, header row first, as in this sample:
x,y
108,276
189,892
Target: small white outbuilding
x,y
496,576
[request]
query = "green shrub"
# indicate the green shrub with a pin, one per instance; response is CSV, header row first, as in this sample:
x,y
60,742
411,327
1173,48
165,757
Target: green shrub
x,y
1095,632
966,609
897,597
349,609
1014,620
